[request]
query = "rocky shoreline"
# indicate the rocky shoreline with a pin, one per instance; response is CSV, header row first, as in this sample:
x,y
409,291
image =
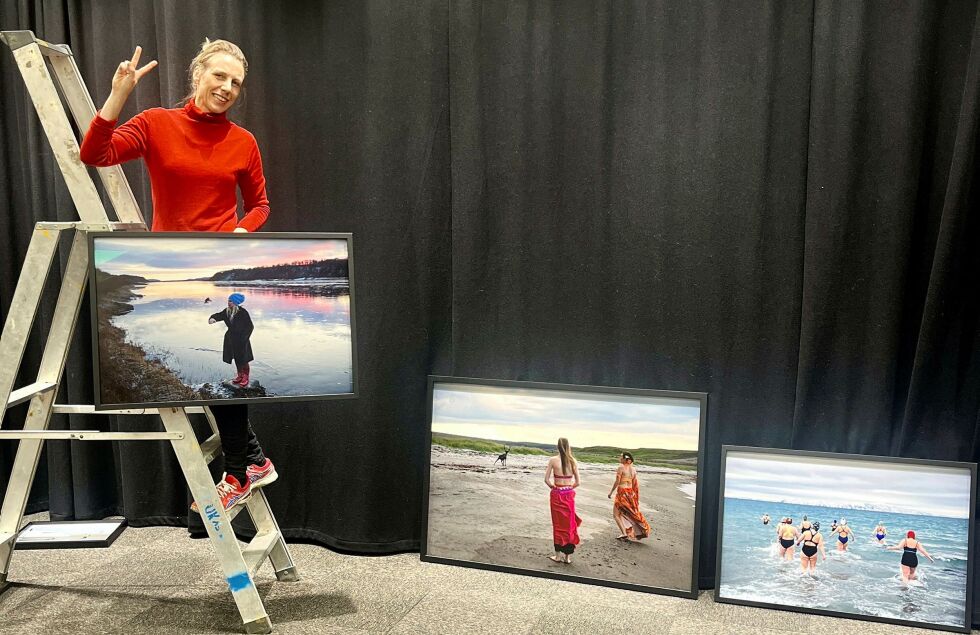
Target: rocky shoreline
x,y
127,375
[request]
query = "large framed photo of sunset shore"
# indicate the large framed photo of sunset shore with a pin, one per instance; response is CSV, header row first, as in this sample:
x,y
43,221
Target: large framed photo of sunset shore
x,y
181,319
588,484
863,537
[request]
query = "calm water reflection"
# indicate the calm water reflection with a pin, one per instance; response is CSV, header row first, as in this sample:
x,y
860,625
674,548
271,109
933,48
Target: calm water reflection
x,y
301,342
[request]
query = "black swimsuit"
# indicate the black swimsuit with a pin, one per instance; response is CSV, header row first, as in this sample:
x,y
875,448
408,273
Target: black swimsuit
x,y
809,550
786,542
909,559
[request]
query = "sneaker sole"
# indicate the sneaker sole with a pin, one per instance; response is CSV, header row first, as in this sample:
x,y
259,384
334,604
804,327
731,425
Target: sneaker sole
x,y
268,479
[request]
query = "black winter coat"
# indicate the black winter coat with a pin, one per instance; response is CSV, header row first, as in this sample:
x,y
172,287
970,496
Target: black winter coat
x,y
237,345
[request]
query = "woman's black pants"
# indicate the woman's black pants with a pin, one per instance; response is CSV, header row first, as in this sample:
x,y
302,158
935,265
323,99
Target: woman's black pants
x,y
238,442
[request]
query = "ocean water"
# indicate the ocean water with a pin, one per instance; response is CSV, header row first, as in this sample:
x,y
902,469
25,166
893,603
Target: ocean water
x,y
864,580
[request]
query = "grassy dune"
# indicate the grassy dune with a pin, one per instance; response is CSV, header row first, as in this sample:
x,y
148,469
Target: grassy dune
x,y
479,445
650,457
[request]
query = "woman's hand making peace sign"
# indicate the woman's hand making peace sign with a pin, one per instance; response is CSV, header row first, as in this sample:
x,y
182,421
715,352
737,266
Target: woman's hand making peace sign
x,y
124,80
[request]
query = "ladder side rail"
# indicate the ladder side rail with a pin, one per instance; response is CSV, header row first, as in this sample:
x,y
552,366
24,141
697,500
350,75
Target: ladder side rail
x,y
216,521
64,145
83,110
39,412
23,309
265,524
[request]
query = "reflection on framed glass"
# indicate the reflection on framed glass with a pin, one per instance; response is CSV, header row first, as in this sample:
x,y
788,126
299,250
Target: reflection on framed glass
x,y
865,537
183,319
632,519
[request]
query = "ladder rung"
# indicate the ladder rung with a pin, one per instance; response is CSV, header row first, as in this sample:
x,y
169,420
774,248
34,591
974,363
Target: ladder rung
x,y
90,435
237,509
28,392
211,448
76,409
258,550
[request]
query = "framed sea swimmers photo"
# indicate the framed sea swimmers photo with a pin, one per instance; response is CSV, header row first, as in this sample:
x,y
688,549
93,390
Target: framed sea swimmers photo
x,y
583,483
863,537
182,318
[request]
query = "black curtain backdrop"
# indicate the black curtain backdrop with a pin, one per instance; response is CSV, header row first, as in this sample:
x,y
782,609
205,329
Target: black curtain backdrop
x,y
771,202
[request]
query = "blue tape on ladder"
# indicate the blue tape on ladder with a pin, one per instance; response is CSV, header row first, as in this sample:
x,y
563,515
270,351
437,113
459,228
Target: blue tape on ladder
x,y
239,581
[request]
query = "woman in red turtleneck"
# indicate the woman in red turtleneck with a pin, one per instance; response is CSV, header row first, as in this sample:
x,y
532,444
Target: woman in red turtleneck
x,y
198,161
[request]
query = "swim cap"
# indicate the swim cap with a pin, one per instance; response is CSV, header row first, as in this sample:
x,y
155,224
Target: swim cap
x,y
816,526
911,534
236,298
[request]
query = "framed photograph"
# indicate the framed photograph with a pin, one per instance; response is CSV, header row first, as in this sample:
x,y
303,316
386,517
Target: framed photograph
x,y
181,319
582,483
863,537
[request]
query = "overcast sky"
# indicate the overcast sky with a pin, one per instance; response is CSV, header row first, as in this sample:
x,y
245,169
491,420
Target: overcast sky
x,y
202,256
904,488
585,419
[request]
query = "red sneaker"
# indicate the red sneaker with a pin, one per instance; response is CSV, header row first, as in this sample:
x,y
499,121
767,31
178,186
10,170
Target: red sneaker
x,y
261,475
231,492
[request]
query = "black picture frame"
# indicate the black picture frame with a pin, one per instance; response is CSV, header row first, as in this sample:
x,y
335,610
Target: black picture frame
x,y
799,457
690,591
70,526
93,237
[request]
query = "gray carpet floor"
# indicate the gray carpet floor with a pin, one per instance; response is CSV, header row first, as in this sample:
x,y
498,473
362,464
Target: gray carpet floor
x,y
157,580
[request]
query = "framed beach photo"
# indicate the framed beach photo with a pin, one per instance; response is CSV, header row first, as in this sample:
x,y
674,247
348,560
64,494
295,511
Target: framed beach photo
x,y
189,318
863,537
582,483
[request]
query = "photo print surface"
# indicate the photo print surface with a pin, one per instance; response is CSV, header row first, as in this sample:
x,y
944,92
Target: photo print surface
x,y
623,514
184,319
886,539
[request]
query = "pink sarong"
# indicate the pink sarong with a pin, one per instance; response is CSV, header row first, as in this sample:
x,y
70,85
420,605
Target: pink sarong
x,y
564,520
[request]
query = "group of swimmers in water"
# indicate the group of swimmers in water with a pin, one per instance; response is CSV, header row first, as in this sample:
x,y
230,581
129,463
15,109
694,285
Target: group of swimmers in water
x,y
807,536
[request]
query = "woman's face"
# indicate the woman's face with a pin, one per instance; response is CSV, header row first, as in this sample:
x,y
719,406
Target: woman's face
x,y
231,305
219,83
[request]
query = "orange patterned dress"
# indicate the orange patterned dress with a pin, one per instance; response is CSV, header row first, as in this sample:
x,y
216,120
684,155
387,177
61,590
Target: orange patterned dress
x,y
627,501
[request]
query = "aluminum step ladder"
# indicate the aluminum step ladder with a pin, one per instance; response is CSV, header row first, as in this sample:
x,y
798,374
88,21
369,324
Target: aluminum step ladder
x,y
240,565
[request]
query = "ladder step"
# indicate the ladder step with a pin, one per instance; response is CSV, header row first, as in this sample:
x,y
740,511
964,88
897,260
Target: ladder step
x,y
17,39
90,435
237,509
258,550
28,392
211,448
7,537
77,409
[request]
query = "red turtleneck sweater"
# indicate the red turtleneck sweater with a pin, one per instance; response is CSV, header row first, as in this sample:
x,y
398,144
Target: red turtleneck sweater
x,y
196,160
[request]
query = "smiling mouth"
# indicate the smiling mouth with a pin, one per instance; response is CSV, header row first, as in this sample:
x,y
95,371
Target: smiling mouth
x,y
221,99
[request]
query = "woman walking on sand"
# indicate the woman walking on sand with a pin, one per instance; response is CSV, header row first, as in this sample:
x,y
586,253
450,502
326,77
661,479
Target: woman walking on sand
x,y
626,506
237,346
561,476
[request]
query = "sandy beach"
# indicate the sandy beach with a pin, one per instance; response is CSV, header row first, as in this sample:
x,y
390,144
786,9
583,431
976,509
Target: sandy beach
x,y
479,512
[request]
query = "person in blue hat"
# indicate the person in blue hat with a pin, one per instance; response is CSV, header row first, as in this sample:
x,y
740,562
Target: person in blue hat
x,y
237,346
